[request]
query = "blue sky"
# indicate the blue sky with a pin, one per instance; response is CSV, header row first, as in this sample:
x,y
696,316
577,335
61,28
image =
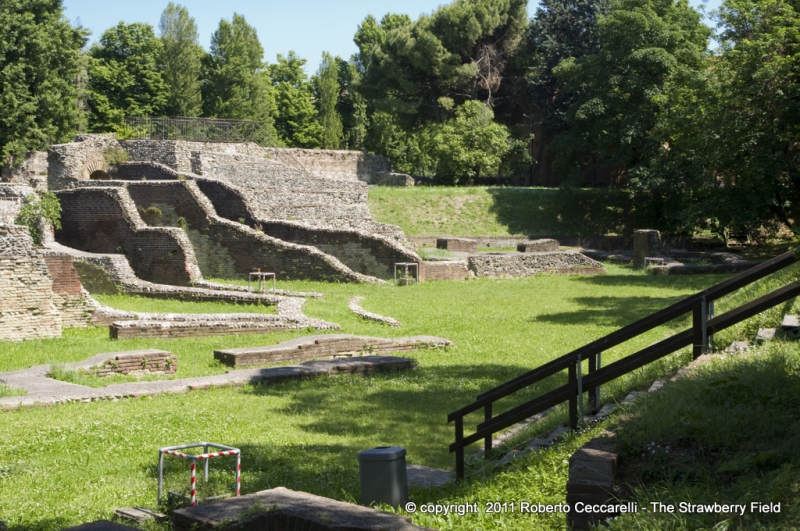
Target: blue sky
x,y
308,27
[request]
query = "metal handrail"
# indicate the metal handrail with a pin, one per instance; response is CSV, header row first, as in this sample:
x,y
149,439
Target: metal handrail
x,y
698,304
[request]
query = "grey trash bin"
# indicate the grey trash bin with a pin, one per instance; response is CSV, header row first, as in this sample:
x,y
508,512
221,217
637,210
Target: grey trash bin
x,y
383,476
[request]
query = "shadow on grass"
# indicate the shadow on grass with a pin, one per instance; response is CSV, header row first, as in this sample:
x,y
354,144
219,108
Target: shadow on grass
x,y
609,311
555,212
47,524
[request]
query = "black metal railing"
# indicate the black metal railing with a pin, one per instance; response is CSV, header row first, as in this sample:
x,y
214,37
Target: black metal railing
x,y
208,130
577,384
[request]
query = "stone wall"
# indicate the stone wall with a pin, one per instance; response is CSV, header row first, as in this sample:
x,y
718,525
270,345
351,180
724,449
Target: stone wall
x,y
444,270
392,179
12,197
230,250
69,300
342,165
27,305
362,251
31,170
184,156
527,264
457,245
76,161
105,220
143,171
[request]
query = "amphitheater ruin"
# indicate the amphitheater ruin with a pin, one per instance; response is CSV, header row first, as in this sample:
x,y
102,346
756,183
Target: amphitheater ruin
x,y
159,217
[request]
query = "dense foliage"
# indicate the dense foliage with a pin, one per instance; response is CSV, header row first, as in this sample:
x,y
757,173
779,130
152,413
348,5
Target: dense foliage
x,y
605,93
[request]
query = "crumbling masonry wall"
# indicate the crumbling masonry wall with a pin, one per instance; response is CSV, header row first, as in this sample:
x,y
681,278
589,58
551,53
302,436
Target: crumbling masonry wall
x,y
104,220
230,250
27,306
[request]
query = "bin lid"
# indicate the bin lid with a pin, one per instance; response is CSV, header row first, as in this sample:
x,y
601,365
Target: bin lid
x,y
382,453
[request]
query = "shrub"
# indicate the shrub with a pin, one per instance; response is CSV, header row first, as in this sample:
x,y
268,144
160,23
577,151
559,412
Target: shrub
x,y
38,210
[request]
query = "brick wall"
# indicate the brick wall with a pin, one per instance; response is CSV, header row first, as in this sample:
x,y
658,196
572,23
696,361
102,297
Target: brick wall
x,y
226,249
104,220
444,270
27,309
151,171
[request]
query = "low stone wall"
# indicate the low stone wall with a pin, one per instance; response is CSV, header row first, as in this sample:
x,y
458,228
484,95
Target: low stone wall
x,y
76,161
313,347
144,171
342,165
392,179
457,245
27,301
173,330
444,270
538,246
527,264
105,220
138,362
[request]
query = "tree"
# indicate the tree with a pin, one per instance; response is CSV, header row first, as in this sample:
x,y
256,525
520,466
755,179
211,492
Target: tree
x,y
124,76
235,85
470,145
560,29
296,118
352,106
755,126
328,90
650,53
40,59
181,61
416,70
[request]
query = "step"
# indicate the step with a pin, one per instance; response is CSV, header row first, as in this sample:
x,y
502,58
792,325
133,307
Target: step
x,y
765,334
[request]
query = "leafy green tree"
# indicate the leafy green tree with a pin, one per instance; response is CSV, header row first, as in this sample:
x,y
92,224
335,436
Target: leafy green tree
x,y
754,129
296,118
40,59
352,106
235,84
650,53
181,61
560,29
125,78
328,90
470,145
416,70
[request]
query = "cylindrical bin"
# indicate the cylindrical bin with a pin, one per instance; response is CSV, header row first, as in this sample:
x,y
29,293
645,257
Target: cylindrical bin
x,y
383,476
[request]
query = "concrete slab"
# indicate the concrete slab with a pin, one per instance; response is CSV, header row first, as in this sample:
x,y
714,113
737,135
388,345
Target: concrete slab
x,y
281,508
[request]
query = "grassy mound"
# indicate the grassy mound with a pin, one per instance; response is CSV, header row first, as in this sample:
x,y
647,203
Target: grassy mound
x,y
489,211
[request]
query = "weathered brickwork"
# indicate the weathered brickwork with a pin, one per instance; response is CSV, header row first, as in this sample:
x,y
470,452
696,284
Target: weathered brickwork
x,y
392,179
31,170
27,303
144,171
538,246
342,165
138,362
104,220
458,245
12,197
225,248
74,162
527,264
444,270
315,347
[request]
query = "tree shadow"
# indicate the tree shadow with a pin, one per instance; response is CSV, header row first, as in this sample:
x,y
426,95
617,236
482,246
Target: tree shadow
x,y
556,212
609,311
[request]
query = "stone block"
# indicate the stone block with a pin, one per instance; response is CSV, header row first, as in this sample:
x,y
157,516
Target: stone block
x,y
646,243
101,525
590,465
458,245
392,179
538,246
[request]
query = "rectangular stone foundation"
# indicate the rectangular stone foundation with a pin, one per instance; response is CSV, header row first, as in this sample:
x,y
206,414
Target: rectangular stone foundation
x,y
311,348
139,362
170,331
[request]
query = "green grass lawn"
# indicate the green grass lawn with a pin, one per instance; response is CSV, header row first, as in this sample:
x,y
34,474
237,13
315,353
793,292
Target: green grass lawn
x,y
305,435
497,211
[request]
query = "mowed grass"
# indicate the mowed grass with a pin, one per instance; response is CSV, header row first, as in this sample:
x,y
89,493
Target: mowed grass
x,y
497,211
74,463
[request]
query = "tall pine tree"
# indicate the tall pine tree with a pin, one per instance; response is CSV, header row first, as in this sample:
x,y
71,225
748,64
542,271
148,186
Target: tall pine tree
x,y
328,90
181,61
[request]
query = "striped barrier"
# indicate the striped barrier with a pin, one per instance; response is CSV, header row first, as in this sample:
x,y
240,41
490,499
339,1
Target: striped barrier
x,y
194,458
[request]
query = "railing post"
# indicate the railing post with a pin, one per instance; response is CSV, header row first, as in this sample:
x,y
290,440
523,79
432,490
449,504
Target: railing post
x,y
487,442
573,396
699,328
710,315
595,363
579,367
459,448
